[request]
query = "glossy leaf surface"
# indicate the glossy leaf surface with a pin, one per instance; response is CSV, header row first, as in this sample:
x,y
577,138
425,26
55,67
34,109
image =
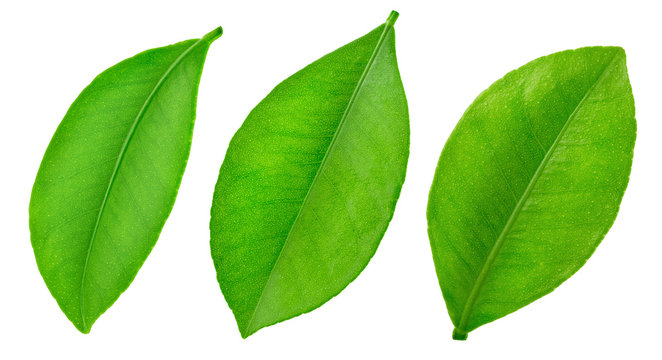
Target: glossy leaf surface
x,y
310,182
110,175
530,181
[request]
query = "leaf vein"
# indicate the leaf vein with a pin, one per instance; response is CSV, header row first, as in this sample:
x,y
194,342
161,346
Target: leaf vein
x,y
118,163
480,280
387,28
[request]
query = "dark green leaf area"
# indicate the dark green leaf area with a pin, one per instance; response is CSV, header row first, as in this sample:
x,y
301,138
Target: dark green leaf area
x,y
530,181
310,182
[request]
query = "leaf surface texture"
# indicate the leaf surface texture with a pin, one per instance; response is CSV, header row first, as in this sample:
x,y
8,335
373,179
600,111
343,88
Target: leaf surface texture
x,y
530,181
110,176
310,182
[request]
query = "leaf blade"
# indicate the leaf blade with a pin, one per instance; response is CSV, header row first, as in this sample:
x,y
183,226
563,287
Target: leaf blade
x,y
94,166
332,89
587,75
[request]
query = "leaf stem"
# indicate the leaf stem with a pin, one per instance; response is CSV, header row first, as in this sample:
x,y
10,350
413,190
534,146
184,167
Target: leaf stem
x,y
392,18
459,335
213,35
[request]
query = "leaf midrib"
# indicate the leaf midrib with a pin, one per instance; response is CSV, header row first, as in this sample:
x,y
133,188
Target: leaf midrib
x,y
487,266
388,26
120,158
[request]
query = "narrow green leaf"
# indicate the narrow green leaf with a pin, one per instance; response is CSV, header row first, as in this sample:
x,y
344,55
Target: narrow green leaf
x,y
110,175
530,181
309,183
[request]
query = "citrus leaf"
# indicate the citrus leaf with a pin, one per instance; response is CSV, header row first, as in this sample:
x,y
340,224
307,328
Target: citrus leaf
x,y
530,181
110,175
309,183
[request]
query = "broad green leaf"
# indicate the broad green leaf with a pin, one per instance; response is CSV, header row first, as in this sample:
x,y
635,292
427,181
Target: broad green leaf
x,y
309,183
110,175
530,181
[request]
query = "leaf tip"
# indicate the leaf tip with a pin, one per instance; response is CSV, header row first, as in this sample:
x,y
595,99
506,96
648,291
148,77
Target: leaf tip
x,y
245,334
620,51
214,34
459,335
244,329
83,328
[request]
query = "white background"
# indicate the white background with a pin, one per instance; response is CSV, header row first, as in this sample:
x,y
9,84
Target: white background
x,y
448,53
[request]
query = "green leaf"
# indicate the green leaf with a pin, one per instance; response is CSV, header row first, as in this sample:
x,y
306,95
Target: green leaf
x,y
309,183
530,181
110,175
